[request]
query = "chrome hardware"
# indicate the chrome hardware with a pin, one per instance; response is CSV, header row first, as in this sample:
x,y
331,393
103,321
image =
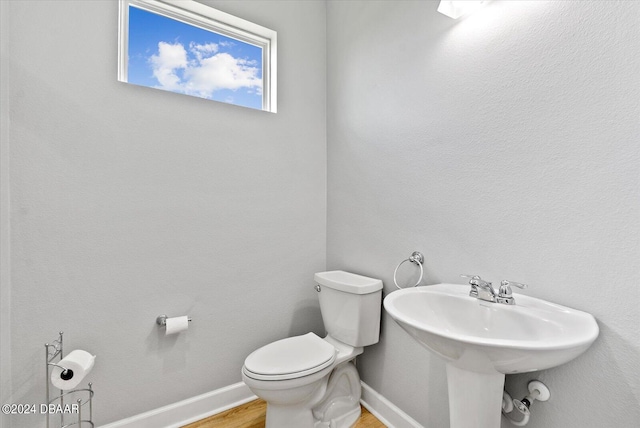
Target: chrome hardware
x,y
481,289
54,351
504,292
415,258
162,320
318,288
64,370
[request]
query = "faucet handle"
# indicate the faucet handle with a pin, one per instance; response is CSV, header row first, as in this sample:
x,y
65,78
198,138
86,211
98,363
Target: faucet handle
x,y
505,287
517,284
475,280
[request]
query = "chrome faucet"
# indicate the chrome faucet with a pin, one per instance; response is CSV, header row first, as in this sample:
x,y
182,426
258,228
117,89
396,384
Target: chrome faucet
x,y
483,290
504,293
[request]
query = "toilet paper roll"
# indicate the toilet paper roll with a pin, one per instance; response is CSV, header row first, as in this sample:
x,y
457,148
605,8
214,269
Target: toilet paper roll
x,y
78,364
177,324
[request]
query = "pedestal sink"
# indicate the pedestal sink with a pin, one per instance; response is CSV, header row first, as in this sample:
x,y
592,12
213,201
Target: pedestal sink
x,y
483,341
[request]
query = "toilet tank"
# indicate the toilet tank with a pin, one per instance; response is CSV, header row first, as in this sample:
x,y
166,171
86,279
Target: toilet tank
x,y
350,306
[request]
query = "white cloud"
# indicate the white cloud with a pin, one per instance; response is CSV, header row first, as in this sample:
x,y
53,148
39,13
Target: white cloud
x,y
201,50
220,71
170,58
204,71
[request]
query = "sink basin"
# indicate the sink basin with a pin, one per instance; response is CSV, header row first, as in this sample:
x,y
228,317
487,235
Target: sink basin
x,y
483,341
531,335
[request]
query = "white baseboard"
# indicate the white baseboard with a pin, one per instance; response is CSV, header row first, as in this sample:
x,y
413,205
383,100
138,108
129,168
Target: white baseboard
x,y
190,410
383,409
202,406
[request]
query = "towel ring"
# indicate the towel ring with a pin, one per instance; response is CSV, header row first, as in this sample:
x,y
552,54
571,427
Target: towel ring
x,y
417,258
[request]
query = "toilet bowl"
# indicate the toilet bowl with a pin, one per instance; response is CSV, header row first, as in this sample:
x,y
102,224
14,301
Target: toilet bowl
x,y
309,381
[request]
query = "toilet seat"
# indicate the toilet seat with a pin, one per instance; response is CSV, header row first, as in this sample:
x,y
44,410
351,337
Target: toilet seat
x,y
290,358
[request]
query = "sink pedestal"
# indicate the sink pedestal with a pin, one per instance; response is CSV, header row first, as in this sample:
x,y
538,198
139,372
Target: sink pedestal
x,y
480,341
475,399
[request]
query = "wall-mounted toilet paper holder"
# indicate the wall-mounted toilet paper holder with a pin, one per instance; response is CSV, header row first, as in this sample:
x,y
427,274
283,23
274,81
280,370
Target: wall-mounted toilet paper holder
x,y
162,320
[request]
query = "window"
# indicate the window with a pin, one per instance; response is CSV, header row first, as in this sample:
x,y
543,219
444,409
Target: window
x,y
189,48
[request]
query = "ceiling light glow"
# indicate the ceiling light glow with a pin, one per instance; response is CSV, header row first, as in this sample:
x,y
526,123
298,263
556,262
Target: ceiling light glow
x,y
456,9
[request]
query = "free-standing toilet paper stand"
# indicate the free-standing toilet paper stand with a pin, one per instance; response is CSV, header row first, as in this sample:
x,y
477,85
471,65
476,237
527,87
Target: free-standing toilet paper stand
x,y
56,405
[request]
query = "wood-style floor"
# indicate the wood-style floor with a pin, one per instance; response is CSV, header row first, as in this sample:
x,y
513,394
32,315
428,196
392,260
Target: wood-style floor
x,y
252,414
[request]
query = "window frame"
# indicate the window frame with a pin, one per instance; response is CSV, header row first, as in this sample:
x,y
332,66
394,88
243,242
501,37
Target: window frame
x,y
210,19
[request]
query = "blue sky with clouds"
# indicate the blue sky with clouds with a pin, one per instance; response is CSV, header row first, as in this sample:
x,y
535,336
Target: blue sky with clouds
x,y
178,57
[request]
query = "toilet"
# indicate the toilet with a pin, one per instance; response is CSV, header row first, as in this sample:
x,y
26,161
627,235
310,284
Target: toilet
x,y
312,382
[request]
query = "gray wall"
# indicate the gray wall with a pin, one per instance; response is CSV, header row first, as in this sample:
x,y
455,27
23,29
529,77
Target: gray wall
x,y
5,271
128,202
505,145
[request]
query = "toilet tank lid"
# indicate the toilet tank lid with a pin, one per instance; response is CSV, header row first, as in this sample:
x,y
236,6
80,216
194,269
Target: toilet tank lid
x,y
348,282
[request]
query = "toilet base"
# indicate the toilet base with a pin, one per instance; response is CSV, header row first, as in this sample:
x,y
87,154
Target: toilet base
x,y
340,407
288,416
284,416
345,421
330,400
